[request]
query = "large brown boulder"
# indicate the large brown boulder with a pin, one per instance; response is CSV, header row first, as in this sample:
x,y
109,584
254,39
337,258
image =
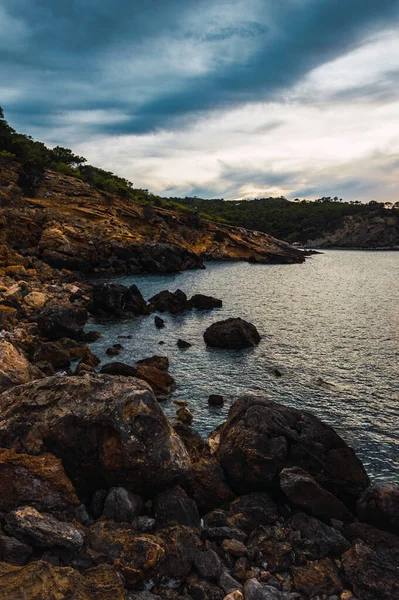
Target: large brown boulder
x,y
37,481
107,430
15,367
379,506
232,333
41,580
260,438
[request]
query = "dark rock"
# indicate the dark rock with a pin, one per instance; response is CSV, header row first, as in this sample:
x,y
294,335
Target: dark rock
x,y
253,590
156,257
234,547
92,336
14,551
319,540
372,573
228,583
112,351
317,577
118,368
216,518
116,299
208,564
46,368
252,510
159,362
379,506
370,535
232,333
174,507
144,595
52,353
172,302
43,530
57,322
224,533
287,437
274,545
201,302
184,415
159,323
145,524
200,589
303,491
97,503
162,383
183,344
107,430
135,302
215,400
122,506
82,515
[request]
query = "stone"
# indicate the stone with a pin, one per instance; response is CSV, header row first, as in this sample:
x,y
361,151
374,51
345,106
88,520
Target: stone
x,y
92,336
172,302
182,344
57,322
201,302
208,565
371,536
219,534
43,530
228,583
37,481
122,506
35,300
118,368
53,353
261,437
174,507
184,414
159,323
112,351
103,428
304,491
234,595
253,510
253,590
200,589
41,580
14,551
161,382
317,577
116,299
232,333
215,400
372,574
15,369
234,547
379,506
145,524
159,362
318,540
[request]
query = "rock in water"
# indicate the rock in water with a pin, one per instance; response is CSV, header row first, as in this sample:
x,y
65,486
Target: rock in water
x,y
260,438
201,302
182,344
118,368
172,302
215,400
159,323
115,299
232,333
56,322
159,362
104,428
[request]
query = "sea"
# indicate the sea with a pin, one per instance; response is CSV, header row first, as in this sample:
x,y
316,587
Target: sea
x,y
329,344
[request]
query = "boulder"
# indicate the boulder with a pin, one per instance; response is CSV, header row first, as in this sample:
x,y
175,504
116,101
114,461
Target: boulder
x,y
35,300
162,383
37,481
43,530
208,565
41,580
122,506
234,547
116,299
317,577
251,511
304,491
159,323
135,302
159,362
201,302
232,333
318,540
56,322
253,590
174,507
182,344
372,573
371,536
215,400
379,506
118,368
260,438
172,302
157,257
112,351
184,415
53,353
104,428
15,369
14,551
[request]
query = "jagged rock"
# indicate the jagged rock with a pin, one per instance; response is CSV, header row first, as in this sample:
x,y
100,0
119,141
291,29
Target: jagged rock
x,y
201,302
228,583
200,589
182,344
215,400
275,545
252,510
57,322
159,362
46,368
253,590
37,481
184,414
54,354
303,491
370,536
261,437
122,506
319,540
317,577
232,333
158,257
36,300
161,382
224,533
103,428
41,580
372,573
115,299
234,547
172,302
118,368
379,506
208,565
43,530
88,358
15,369
145,524
14,551
159,323
174,507
135,302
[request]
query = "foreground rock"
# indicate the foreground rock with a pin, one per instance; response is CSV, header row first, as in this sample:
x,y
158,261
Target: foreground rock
x,y
232,333
260,438
56,322
103,428
379,506
15,368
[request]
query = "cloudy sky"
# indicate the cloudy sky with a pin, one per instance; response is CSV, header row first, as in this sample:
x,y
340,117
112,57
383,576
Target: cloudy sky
x,y
222,98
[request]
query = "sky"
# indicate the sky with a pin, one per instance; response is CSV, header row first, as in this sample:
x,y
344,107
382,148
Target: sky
x,y
222,98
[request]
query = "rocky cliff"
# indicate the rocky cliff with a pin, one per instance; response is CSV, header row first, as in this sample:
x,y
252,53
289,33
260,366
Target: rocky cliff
x,y
71,225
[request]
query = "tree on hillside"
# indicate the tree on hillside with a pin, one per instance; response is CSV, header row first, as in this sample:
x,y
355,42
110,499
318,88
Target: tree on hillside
x,y
66,156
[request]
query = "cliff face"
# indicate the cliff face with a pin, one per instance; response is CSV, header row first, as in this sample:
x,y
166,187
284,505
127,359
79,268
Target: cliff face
x,y
363,231
72,225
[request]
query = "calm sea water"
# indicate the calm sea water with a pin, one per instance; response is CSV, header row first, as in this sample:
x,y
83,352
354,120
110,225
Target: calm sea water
x,y
331,326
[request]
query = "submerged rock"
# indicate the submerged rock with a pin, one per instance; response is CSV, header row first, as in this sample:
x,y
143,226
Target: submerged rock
x,y
232,333
104,428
